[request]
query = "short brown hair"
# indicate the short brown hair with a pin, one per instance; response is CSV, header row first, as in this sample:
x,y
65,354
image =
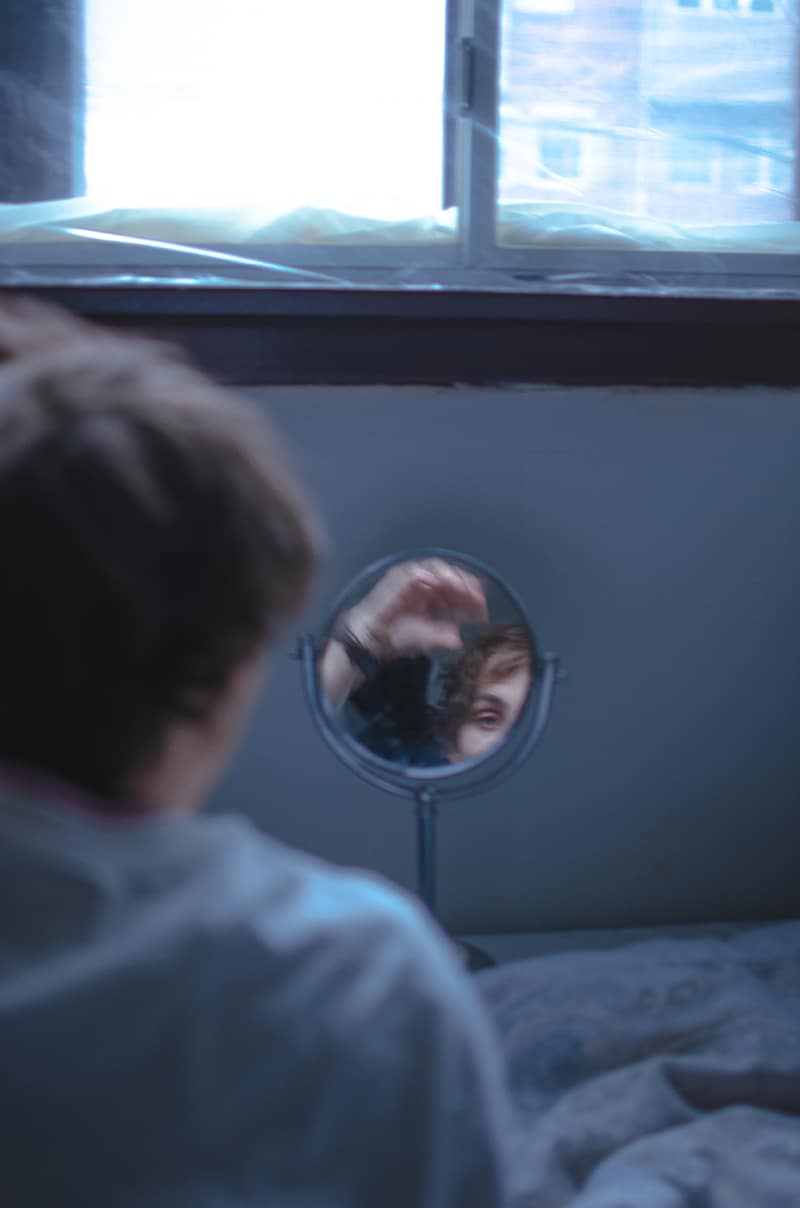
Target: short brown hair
x,y
152,540
509,647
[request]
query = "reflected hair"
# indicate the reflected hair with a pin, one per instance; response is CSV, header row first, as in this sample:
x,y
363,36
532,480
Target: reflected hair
x,y
153,541
507,648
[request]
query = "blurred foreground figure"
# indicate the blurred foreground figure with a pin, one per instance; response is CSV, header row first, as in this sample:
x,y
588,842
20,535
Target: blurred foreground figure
x,y
190,1013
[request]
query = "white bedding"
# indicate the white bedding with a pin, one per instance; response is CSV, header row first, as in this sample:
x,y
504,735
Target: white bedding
x,y
664,1074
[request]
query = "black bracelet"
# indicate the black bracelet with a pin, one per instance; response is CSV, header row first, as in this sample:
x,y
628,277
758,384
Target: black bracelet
x,y
361,658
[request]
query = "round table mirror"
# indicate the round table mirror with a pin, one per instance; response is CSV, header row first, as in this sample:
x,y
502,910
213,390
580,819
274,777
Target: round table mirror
x,y
428,682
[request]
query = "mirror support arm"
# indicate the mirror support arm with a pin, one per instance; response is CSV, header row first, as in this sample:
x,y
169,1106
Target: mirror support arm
x,y
427,811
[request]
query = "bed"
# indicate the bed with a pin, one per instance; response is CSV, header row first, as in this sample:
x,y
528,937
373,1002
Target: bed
x,y
652,1070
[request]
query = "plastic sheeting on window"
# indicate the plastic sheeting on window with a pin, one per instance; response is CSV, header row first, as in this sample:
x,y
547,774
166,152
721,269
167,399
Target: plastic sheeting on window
x,y
635,145
76,240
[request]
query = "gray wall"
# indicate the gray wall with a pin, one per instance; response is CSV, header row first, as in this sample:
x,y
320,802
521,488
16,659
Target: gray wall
x,y
652,534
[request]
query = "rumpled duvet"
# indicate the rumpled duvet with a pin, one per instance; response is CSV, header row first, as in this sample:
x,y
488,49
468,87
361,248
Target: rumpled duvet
x,y
665,1074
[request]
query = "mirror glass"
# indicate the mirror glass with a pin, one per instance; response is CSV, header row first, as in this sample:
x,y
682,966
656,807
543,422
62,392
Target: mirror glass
x,y
428,663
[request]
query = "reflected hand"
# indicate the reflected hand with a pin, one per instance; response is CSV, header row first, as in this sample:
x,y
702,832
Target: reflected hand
x,y
417,607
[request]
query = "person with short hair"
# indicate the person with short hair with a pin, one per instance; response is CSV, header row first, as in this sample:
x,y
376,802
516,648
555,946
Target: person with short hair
x,y
486,690
376,668
191,1014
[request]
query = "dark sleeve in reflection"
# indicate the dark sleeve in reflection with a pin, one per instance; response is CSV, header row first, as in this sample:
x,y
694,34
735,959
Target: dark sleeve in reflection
x,y
390,714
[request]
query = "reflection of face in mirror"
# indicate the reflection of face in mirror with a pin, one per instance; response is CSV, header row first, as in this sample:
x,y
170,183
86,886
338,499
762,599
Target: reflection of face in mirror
x,y
424,669
486,691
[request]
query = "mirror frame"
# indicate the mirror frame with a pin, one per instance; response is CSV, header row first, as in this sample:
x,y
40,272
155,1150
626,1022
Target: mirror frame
x,y
438,782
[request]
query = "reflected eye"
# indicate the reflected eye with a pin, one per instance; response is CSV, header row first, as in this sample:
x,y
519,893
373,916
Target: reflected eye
x,y
486,720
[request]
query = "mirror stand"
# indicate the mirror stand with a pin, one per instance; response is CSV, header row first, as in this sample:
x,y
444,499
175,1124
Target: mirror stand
x,y
467,716
427,813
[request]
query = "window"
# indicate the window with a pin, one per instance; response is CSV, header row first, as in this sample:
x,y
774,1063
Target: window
x,y
743,7
276,116
560,156
768,169
691,162
666,108
438,141
556,8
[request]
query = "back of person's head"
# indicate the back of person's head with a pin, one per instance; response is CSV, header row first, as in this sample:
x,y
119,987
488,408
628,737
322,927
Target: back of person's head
x,y
152,541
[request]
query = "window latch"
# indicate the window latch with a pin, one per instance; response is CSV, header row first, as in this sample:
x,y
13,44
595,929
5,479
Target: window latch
x,y
466,83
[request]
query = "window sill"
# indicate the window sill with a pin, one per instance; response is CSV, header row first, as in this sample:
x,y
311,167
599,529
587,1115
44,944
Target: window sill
x,y
254,335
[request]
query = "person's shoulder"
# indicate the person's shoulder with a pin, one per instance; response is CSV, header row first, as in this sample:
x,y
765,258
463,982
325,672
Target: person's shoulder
x,y
356,908
357,964
339,928
336,1000
265,881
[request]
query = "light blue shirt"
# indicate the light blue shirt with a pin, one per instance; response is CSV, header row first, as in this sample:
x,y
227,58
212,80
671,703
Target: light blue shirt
x,y
195,1016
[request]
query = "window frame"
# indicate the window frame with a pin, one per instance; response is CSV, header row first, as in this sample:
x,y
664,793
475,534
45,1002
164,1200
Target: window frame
x,y
471,120
510,316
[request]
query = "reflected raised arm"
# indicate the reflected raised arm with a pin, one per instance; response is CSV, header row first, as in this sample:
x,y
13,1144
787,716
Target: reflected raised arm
x,y
415,608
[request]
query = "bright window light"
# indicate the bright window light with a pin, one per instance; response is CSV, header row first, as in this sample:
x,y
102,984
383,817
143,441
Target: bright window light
x,y
289,102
